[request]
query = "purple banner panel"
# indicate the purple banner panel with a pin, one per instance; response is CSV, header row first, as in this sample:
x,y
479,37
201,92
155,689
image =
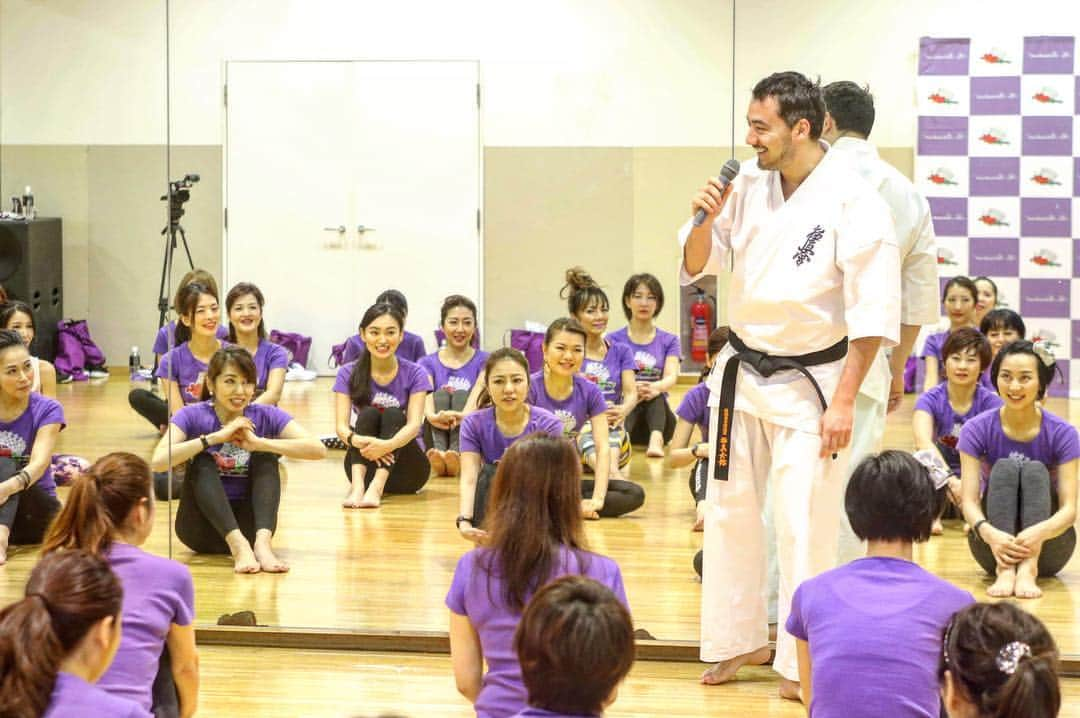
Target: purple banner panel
x,y
1047,298
1047,136
944,136
993,257
995,176
1045,217
1076,166
1077,94
995,95
939,56
1059,385
1075,338
1049,55
949,215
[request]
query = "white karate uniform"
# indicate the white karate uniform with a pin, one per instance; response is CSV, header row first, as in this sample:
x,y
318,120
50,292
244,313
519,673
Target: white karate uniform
x,y
918,301
806,272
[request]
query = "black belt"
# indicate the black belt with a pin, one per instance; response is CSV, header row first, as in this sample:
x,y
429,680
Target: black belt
x,y
765,365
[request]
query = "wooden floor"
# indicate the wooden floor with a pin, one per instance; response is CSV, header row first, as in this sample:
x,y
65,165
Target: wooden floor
x,y
390,569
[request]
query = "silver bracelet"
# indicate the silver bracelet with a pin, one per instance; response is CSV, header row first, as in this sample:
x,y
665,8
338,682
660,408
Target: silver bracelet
x,y
24,479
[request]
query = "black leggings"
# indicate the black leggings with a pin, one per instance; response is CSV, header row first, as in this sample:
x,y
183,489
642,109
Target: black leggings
x,y
483,488
27,514
698,482
410,470
1018,496
622,496
149,406
442,439
206,514
649,416
165,700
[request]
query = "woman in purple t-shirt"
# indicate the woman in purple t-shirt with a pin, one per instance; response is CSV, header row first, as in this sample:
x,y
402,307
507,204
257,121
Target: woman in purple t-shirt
x,y
656,359
609,365
536,534
183,369
387,395
110,513
502,418
959,299
1018,477
942,411
70,618
454,370
166,336
244,305
19,318
411,347
1000,327
232,488
29,425
576,401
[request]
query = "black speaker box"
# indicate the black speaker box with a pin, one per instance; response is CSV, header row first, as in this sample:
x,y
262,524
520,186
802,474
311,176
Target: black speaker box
x,y
32,270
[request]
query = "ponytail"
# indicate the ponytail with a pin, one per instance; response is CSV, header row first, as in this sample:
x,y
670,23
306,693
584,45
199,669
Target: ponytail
x,y
1032,691
67,593
360,381
99,503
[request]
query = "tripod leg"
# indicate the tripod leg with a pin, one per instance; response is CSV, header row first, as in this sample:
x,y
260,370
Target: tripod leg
x,y
187,249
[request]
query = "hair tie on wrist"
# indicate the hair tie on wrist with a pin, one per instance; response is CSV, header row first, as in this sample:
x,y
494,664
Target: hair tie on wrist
x,y
1010,655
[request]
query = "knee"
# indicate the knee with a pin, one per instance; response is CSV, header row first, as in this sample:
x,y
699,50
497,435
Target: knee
x,y
202,465
1034,471
368,420
264,462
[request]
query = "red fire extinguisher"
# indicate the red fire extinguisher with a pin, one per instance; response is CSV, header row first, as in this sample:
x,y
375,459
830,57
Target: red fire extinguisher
x,y
701,325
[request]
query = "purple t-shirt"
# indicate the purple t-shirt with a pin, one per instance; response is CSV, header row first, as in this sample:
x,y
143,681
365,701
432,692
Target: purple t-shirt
x,y
585,401
17,437
157,593
695,408
267,357
411,348
874,627
480,434
947,423
161,342
987,382
410,379
232,461
471,594
606,373
1055,444
189,373
444,378
649,359
72,697
531,712
933,346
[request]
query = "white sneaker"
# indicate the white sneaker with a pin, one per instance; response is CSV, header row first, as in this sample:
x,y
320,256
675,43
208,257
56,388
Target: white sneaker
x,y
295,372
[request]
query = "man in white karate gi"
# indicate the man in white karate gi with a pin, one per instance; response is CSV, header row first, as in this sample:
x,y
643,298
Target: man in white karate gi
x,y
849,118
814,294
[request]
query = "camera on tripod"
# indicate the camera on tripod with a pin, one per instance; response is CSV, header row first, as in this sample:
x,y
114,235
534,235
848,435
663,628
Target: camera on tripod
x,y
179,192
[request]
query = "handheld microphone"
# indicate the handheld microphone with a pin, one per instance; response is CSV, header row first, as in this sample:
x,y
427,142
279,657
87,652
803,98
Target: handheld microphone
x,y
727,173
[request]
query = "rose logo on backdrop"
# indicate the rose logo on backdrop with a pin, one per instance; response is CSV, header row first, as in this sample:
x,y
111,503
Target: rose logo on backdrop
x,y
1047,338
1047,96
995,57
1045,258
993,218
942,97
1045,176
945,257
994,136
941,176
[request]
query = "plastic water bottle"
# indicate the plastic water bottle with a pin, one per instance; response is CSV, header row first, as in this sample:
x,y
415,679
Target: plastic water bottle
x,y
29,211
135,363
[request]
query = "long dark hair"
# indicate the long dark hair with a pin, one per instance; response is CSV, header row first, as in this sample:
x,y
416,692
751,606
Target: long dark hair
x,y
581,290
240,290
484,398
981,644
100,501
360,382
68,592
964,283
187,299
534,510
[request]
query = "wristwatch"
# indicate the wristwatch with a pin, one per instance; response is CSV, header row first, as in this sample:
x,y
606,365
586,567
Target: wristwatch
x,y
205,443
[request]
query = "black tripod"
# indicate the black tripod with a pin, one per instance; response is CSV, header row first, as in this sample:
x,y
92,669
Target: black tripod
x,y
179,193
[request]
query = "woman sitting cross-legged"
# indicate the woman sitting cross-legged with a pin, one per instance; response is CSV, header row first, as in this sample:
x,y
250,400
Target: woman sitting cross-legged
x,y
230,496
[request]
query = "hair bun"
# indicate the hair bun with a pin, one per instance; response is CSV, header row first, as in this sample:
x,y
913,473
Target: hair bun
x,y
577,278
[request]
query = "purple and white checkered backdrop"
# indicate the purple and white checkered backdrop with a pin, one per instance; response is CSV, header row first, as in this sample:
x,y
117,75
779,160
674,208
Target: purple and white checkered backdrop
x,y
998,157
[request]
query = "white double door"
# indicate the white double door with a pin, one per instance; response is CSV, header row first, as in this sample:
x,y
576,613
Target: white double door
x,y
347,178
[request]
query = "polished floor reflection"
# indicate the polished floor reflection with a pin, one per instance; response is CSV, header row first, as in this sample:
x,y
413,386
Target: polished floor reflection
x,y
389,569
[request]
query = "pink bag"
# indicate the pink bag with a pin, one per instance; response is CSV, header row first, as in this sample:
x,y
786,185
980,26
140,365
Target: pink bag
x,y
531,344
297,345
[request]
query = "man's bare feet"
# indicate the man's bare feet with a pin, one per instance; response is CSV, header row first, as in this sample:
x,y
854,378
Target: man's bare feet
x,y
789,689
724,671
453,463
1026,587
937,529
1004,584
437,461
268,560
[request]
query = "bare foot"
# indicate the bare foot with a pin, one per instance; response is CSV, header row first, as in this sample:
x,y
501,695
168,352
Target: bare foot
x,y
3,555
437,461
268,560
1025,584
372,497
453,463
699,523
655,450
937,529
724,671
1004,584
244,561
789,689
353,498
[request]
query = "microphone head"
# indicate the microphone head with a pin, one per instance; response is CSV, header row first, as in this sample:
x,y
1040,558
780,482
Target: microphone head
x,y
730,169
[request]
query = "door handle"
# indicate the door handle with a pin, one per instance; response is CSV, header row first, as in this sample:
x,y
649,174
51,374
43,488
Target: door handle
x,y
361,229
340,229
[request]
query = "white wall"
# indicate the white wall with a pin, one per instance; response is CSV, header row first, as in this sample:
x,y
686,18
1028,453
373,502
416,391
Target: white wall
x,y
556,73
